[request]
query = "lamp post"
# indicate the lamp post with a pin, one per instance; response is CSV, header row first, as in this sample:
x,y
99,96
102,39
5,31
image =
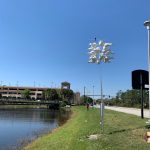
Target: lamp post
x,y
51,85
34,84
84,93
147,24
93,95
100,52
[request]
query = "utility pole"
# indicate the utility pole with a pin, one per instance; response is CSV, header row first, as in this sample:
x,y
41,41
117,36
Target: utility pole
x,y
84,93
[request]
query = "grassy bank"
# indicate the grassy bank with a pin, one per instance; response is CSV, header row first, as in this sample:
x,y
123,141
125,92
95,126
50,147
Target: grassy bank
x,y
121,132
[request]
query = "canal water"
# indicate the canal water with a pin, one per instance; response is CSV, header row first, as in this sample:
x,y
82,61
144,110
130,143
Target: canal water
x,y
18,126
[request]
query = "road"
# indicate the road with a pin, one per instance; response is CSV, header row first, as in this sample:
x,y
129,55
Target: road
x,y
133,111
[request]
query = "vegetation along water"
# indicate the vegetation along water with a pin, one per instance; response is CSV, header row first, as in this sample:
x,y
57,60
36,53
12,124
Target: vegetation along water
x,y
121,132
21,124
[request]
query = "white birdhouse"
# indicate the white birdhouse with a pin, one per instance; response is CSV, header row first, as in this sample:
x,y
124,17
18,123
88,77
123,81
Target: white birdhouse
x,y
100,52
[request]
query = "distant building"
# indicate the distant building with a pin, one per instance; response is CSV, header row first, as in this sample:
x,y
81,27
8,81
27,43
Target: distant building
x,y
35,92
16,91
76,99
65,85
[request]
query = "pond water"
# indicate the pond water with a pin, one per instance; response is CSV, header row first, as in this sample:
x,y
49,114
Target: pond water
x,y
18,126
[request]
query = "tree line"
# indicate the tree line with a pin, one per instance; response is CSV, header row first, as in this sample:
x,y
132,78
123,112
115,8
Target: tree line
x,y
129,98
51,94
86,99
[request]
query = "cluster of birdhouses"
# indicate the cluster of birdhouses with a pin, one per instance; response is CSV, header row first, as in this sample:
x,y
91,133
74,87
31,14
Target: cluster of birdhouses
x,y
100,52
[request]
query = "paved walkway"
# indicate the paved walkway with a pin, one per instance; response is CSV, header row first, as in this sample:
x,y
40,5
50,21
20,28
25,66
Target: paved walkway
x,y
134,111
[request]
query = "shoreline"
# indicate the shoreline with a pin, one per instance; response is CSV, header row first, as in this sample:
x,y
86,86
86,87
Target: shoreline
x,y
28,142
120,128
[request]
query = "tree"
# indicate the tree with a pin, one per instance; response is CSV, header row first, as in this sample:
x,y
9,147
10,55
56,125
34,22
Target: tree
x,y
26,94
50,94
66,94
118,95
130,98
86,99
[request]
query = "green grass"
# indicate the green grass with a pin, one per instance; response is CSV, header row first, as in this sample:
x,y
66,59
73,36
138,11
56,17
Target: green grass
x,y
121,132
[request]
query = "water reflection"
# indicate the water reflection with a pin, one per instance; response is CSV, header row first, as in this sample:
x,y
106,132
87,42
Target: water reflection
x,y
17,124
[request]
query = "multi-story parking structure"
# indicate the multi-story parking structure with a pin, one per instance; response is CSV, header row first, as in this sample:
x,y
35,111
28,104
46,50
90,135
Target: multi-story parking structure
x,y
16,91
36,93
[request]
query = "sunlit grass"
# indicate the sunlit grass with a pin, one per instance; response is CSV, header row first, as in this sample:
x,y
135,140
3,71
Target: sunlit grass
x,y
121,132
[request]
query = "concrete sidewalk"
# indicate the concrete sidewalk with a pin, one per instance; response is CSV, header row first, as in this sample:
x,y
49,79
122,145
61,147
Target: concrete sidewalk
x,y
133,111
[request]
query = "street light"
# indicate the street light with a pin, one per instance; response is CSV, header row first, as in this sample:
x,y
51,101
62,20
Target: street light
x,y
147,24
34,84
100,52
51,84
93,95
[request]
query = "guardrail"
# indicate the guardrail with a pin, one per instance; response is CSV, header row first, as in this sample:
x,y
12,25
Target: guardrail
x,y
27,102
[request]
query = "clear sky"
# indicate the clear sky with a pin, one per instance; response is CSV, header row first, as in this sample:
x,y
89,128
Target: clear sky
x,y
46,42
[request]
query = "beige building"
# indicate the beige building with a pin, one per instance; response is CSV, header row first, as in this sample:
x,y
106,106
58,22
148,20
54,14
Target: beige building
x,y
76,99
16,92
35,92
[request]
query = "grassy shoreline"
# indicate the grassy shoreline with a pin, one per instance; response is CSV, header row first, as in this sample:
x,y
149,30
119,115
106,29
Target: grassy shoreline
x,y
121,132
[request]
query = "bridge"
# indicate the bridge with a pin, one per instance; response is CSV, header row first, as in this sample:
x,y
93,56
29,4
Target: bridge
x,y
50,104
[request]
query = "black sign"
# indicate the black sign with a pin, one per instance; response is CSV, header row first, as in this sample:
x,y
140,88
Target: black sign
x,y
139,79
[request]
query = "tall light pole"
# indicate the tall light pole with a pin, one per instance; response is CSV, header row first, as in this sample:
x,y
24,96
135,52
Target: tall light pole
x,y
34,84
17,84
147,24
84,93
1,85
17,90
51,84
93,95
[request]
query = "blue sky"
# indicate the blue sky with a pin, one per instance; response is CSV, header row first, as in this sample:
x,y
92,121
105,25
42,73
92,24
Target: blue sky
x,y
46,41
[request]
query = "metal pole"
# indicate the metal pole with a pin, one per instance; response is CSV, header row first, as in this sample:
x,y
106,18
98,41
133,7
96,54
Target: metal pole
x,y
102,109
141,82
101,91
142,110
93,95
97,58
147,24
148,27
84,93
